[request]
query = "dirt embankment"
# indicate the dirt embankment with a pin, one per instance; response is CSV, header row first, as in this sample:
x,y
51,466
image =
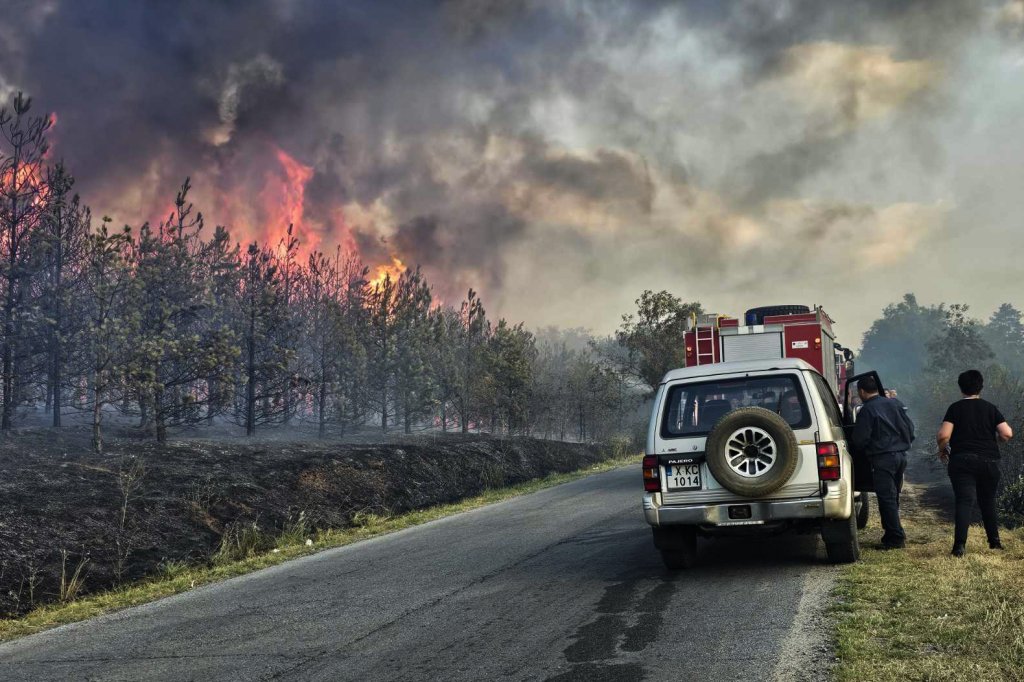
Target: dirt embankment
x,y
124,514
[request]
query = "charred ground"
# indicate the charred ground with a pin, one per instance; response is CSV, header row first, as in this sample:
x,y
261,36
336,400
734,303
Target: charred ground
x,y
142,506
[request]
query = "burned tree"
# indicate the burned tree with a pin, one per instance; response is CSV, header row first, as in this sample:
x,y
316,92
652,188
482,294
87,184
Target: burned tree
x,y
60,242
414,382
446,329
23,194
222,265
288,331
381,339
265,358
470,343
332,358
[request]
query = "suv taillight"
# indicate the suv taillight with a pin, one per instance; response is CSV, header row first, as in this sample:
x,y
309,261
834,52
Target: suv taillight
x,y
652,481
828,462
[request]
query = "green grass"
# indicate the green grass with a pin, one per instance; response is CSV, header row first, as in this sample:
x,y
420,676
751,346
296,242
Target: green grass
x,y
921,614
178,577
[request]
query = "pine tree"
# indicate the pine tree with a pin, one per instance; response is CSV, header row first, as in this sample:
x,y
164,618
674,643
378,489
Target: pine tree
x,y
112,324
414,382
471,385
331,354
381,348
288,331
223,269
23,195
175,354
59,244
350,397
446,334
265,356
511,351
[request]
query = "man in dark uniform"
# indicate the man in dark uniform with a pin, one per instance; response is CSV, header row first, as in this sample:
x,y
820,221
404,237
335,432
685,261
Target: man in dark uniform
x,y
883,432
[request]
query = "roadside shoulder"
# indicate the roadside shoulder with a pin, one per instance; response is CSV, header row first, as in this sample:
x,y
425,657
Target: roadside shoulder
x,y
922,614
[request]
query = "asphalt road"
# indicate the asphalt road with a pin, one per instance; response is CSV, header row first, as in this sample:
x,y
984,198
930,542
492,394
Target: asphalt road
x,y
563,584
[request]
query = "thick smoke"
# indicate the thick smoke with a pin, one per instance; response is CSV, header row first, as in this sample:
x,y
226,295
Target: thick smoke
x,y
563,156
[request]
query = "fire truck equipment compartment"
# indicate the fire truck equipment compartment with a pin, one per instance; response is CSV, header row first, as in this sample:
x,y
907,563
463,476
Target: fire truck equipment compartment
x,y
757,315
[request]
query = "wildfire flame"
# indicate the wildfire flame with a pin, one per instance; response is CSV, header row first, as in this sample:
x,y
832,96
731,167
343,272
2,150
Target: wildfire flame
x,y
266,218
26,181
284,203
27,177
393,270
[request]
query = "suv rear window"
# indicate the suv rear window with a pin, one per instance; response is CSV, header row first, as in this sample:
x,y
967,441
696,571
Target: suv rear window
x,y
692,409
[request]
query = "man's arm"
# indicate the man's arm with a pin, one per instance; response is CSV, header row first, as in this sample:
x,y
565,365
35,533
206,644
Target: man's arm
x,y
860,435
945,433
1004,432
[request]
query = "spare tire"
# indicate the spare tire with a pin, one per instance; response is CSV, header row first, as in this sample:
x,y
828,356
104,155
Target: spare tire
x,y
752,451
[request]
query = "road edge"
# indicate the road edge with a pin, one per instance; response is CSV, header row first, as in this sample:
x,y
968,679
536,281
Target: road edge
x,y
808,651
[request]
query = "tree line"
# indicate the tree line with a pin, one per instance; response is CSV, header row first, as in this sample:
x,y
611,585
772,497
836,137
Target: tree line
x,y
177,325
920,350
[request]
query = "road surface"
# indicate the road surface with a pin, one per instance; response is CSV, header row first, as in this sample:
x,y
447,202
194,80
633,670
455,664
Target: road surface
x,y
563,584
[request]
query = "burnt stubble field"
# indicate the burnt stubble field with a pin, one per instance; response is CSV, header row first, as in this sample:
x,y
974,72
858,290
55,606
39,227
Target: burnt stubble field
x,y
71,520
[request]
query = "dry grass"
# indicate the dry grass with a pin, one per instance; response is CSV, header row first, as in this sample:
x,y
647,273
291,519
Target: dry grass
x,y
179,577
921,614
71,585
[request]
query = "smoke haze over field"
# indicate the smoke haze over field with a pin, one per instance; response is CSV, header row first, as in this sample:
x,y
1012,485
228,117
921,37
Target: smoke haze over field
x,y
563,156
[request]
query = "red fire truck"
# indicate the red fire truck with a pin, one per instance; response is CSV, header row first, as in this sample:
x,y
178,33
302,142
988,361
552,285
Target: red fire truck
x,y
787,331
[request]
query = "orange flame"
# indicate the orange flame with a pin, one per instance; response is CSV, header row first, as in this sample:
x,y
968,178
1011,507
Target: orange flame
x,y
27,180
283,203
393,271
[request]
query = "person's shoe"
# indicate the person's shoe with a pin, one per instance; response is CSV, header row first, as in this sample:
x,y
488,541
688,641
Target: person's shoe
x,y
995,545
958,550
886,546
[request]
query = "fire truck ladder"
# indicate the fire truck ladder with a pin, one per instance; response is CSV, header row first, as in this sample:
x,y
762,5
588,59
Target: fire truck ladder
x,y
705,345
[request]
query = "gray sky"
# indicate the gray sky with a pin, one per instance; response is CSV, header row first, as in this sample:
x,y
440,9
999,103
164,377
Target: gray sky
x,y
562,156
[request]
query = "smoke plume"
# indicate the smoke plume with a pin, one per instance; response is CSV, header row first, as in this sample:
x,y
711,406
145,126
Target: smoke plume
x,y
563,156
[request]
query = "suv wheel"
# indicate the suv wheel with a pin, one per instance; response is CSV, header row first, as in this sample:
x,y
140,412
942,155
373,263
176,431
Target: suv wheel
x,y
752,451
863,510
678,546
841,543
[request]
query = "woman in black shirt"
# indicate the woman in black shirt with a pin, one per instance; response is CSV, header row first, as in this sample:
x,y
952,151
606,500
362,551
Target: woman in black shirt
x,y
972,429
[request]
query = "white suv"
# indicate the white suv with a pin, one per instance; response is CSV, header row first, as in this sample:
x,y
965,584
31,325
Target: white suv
x,y
749,446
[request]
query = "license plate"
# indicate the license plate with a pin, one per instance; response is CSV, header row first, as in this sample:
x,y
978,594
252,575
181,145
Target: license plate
x,y
684,477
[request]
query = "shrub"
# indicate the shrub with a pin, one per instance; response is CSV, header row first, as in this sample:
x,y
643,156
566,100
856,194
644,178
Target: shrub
x,y
1011,503
623,446
172,568
492,476
294,532
367,519
241,541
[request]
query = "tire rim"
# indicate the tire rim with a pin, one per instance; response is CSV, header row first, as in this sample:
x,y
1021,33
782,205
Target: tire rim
x,y
751,451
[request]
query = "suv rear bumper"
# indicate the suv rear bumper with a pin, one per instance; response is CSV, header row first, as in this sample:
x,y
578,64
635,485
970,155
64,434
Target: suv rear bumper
x,y
830,506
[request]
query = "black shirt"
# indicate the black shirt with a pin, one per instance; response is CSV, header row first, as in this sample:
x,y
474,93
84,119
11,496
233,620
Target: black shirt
x,y
974,427
882,426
